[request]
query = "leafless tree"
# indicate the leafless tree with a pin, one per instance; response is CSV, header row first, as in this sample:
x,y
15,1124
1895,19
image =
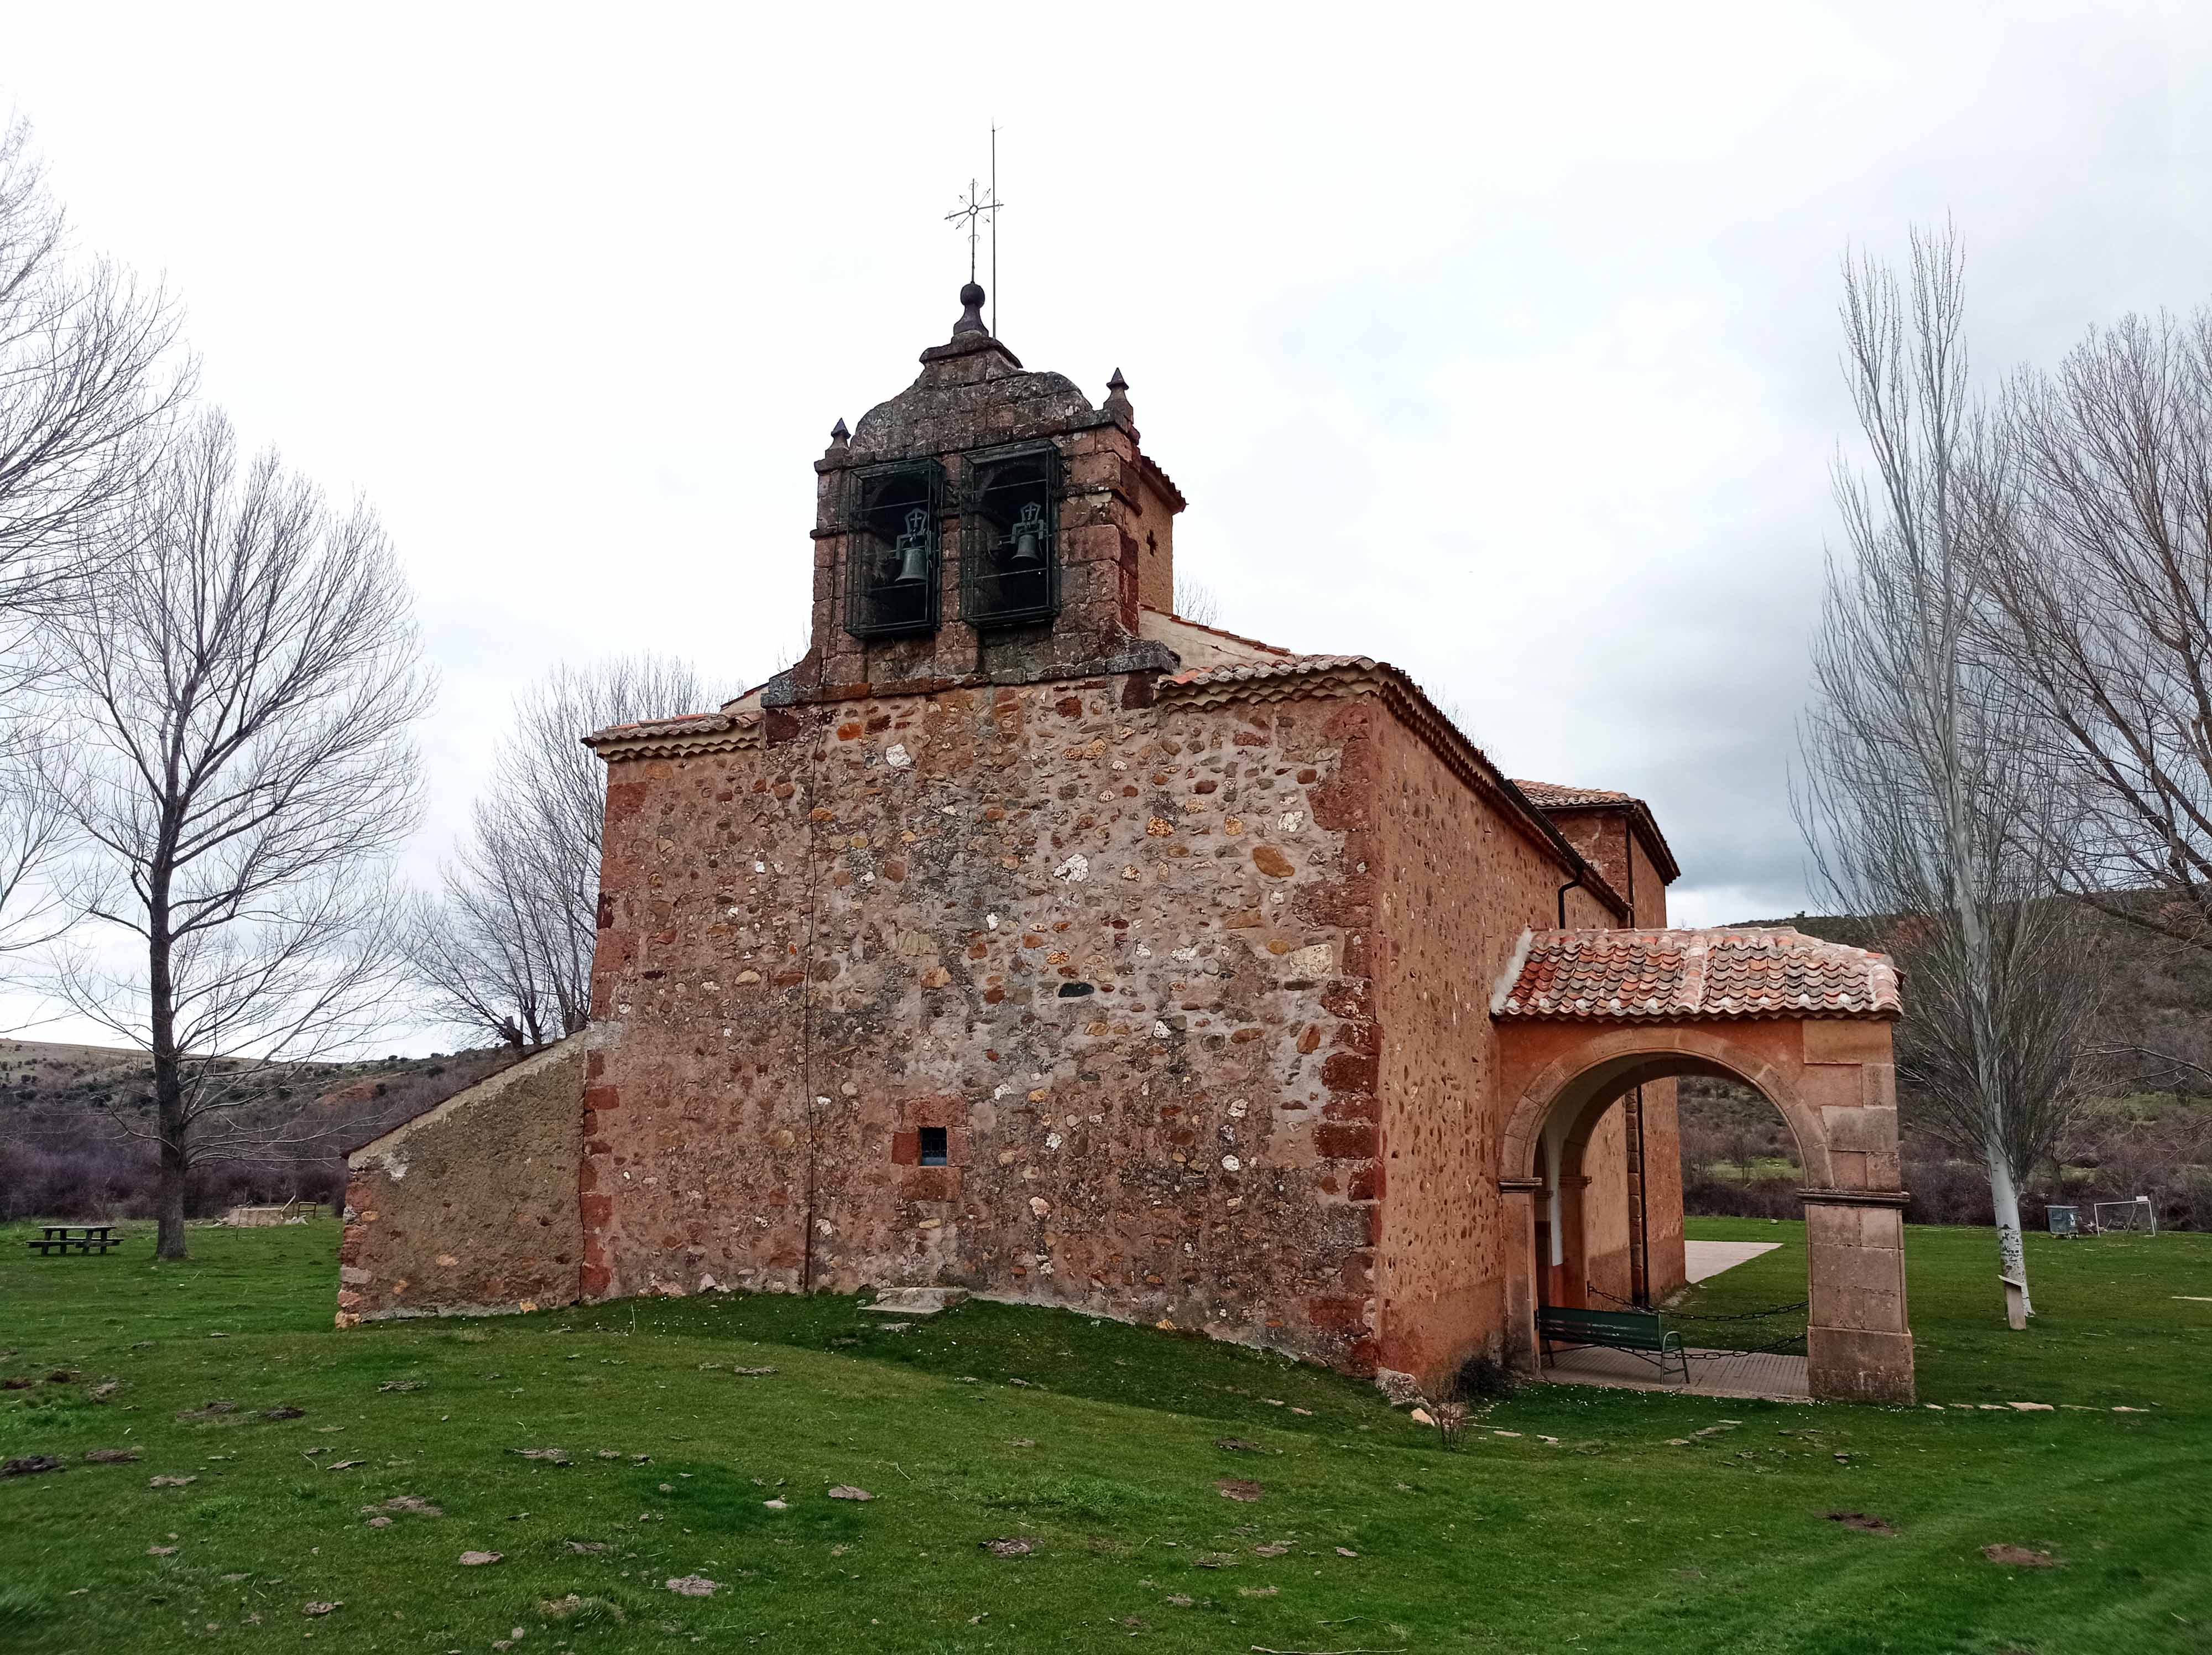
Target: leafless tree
x,y
87,369
507,947
1195,601
236,673
88,379
1926,798
2104,610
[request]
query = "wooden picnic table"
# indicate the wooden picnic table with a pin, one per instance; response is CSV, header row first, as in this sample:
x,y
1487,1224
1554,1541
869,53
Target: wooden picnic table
x,y
83,1238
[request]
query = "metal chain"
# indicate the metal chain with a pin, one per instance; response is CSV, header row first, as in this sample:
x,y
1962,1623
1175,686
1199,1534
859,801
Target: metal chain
x,y
1776,1346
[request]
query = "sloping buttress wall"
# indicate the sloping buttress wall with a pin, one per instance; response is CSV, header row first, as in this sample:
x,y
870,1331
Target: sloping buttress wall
x,y
471,1206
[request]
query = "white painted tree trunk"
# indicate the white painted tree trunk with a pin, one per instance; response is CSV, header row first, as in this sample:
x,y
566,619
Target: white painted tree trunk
x,y
2012,1256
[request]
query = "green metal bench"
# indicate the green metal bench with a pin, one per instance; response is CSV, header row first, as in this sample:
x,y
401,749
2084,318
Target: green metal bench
x,y
1643,1332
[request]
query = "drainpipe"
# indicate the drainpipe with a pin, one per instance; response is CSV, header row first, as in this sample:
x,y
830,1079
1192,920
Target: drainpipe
x,y
1570,885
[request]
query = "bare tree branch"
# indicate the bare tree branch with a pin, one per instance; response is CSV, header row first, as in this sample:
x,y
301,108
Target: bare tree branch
x,y
89,381
2104,610
507,948
87,369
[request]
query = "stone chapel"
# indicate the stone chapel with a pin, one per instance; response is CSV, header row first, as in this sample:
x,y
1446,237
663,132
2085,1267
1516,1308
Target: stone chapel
x,y
1029,939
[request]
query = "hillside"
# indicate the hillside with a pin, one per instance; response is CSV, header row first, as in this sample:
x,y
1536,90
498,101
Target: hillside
x,y
75,1123
2139,1135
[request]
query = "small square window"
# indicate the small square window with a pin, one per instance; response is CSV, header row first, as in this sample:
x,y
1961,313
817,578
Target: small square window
x,y
933,1146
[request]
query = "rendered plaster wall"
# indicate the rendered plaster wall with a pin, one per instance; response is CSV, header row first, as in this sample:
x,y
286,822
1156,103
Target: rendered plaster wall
x,y
1154,532
1460,882
1662,1139
471,1206
1113,944
1608,1216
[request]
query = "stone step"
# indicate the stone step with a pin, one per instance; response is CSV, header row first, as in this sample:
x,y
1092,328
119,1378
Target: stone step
x,y
916,1301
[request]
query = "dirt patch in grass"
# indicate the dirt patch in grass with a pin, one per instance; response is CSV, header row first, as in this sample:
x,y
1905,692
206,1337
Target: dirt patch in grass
x,y
1864,1522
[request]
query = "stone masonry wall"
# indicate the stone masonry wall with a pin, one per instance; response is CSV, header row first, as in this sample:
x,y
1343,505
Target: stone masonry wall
x,y
1458,884
471,1206
1113,944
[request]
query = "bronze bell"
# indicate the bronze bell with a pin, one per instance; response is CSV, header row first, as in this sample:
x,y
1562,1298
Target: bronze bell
x,y
1029,535
912,550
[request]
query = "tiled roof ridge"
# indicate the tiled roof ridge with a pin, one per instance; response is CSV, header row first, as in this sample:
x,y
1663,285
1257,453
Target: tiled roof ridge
x,y
1561,793
709,723
1289,667
1160,471
1556,796
1724,972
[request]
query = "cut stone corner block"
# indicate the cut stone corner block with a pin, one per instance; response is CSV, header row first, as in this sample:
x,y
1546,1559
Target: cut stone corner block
x,y
1847,1365
916,1301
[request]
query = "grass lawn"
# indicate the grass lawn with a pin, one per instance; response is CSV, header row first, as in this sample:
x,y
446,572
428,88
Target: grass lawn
x,y
1102,1449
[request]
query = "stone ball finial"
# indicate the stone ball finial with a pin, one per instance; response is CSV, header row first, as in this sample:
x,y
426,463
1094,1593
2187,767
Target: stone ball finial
x,y
971,313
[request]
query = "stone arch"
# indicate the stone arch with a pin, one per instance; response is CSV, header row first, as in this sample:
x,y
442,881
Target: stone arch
x,y
1591,1076
1832,1082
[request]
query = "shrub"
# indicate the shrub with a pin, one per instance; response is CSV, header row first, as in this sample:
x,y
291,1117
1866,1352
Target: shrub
x,y
1483,1378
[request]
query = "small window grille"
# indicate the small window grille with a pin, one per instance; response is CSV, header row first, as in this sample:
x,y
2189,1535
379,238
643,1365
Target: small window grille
x,y
933,1146
892,572
1010,537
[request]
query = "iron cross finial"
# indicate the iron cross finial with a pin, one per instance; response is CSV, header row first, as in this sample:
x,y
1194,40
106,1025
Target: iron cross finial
x,y
973,205
982,198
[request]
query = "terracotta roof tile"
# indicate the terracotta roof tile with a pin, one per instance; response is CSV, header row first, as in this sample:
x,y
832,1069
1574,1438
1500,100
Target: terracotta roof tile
x,y
681,724
1550,795
1288,666
1694,976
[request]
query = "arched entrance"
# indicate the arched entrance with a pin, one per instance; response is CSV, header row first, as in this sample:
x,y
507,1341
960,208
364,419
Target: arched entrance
x,y
1586,1017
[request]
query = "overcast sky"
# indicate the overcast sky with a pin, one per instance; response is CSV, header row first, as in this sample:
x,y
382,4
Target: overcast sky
x,y
1498,341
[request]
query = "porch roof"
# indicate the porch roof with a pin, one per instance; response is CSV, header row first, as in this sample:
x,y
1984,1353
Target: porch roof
x,y
1730,974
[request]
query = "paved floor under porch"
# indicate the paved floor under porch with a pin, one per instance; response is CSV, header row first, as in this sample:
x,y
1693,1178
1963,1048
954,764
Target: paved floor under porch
x,y
1713,1373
